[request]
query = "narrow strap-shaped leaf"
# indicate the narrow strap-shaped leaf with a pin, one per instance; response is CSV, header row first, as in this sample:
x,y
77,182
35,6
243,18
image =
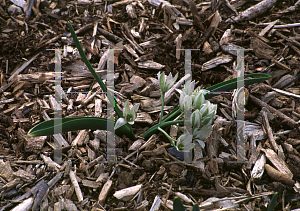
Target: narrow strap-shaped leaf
x,y
91,69
77,123
172,115
273,202
177,204
231,84
196,207
99,80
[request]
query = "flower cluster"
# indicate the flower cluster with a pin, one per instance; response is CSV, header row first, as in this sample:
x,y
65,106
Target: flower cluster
x,y
190,100
201,119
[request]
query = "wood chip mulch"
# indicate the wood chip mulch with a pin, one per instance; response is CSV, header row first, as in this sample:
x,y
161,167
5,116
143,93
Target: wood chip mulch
x,y
148,175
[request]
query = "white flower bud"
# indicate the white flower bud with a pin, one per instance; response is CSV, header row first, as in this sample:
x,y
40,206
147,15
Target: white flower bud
x,y
196,119
164,84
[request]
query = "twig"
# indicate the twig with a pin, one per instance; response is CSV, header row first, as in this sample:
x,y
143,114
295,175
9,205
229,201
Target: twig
x,y
167,196
269,131
287,39
22,67
285,119
278,26
286,93
254,11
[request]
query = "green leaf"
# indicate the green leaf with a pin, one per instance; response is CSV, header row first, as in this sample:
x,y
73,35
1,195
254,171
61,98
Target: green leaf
x,y
231,84
91,69
177,204
78,123
196,207
273,202
172,115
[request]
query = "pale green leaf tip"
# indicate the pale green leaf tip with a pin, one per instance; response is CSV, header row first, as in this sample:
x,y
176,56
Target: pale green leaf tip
x,y
30,134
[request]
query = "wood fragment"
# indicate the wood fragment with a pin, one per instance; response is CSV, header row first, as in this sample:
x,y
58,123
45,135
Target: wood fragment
x,y
279,164
294,42
104,192
76,186
279,176
20,69
25,205
216,61
254,11
291,8
269,131
110,35
285,119
268,28
197,20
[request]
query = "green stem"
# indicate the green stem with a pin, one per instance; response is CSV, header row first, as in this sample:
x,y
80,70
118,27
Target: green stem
x,y
169,137
178,116
154,128
172,115
162,106
180,128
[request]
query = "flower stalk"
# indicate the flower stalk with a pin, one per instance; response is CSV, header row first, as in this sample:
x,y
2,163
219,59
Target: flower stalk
x,y
162,106
165,85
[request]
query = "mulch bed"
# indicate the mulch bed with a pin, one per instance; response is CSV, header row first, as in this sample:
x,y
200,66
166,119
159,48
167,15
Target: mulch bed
x,y
148,32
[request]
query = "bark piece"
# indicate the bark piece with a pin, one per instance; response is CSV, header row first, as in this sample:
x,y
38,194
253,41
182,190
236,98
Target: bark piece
x,y
6,171
150,65
211,29
269,131
285,82
216,61
127,193
144,118
278,162
25,205
137,144
258,169
279,176
17,71
254,11
261,49
197,20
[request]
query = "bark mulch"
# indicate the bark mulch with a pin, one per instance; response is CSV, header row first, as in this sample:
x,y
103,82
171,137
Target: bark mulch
x,y
148,174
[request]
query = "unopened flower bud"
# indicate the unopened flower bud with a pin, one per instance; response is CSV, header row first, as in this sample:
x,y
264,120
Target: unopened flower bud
x,y
164,84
